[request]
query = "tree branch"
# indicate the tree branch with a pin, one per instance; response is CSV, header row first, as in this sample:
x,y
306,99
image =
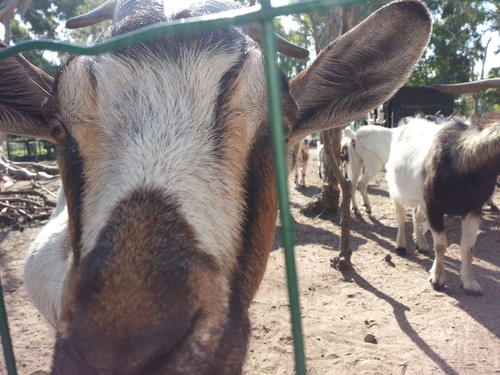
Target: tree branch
x,y
8,8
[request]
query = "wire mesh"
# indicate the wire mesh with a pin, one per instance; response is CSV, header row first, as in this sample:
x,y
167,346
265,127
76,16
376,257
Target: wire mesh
x,y
264,15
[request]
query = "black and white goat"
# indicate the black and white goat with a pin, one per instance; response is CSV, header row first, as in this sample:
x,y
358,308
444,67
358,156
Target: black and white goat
x,y
163,233
444,169
369,151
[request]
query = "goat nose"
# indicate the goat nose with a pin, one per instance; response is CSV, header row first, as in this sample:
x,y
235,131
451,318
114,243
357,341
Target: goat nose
x,y
105,359
132,356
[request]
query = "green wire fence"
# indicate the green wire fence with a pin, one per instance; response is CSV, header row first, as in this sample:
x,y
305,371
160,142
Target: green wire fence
x,y
263,14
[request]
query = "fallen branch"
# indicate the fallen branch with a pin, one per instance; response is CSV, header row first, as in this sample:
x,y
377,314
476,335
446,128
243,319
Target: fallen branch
x,y
17,209
38,167
22,200
47,201
37,185
22,173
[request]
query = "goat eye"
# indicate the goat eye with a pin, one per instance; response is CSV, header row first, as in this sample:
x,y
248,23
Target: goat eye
x,y
58,130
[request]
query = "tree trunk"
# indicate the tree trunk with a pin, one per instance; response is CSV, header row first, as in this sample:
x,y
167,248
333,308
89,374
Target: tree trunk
x,y
7,30
329,198
339,22
327,201
343,260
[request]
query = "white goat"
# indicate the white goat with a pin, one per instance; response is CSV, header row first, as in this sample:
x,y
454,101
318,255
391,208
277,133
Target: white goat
x,y
444,169
369,148
322,161
168,216
345,141
344,157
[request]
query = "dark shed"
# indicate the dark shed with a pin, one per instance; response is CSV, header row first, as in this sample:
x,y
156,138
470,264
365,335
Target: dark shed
x,y
409,101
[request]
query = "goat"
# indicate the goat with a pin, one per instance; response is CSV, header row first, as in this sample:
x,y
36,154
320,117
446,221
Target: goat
x,y
300,158
444,169
369,148
344,157
344,154
169,203
322,161
493,206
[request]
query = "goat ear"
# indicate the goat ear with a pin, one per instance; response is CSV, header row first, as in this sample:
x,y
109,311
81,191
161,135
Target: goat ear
x,y
23,90
361,69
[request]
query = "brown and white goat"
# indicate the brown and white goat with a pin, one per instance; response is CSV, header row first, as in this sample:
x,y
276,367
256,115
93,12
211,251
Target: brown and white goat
x,y
299,158
162,235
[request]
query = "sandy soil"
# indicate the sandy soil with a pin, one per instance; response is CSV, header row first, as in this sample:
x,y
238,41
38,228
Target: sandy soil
x,y
416,330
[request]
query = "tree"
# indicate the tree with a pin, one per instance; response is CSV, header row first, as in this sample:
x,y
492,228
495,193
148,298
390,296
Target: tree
x,y
321,29
457,50
14,30
6,14
491,97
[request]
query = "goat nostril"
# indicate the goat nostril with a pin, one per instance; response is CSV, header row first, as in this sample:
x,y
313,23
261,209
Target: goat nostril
x,y
106,360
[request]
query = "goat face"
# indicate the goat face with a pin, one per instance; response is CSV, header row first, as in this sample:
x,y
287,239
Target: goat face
x,y
165,156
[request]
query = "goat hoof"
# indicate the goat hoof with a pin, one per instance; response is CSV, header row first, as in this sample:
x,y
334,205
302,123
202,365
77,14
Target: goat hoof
x,y
422,251
472,288
401,251
437,286
476,293
356,211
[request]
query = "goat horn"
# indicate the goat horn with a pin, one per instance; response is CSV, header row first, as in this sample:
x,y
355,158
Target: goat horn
x,y
103,12
469,87
283,45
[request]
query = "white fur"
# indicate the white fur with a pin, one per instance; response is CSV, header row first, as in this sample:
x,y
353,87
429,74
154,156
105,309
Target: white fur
x,y
208,202
369,148
301,158
409,148
47,263
322,163
156,152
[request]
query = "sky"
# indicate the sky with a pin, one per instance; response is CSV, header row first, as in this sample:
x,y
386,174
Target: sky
x,y
492,60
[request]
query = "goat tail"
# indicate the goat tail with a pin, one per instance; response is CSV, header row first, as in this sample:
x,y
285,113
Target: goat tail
x,y
480,144
348,132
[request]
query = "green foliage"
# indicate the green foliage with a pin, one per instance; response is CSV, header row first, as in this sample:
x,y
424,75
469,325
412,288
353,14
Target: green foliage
x,y
45,19
456,49
289,65
37,58
88,34
491,97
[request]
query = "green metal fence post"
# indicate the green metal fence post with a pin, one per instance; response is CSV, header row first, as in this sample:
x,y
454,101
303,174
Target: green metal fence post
x,y
279,152
8,353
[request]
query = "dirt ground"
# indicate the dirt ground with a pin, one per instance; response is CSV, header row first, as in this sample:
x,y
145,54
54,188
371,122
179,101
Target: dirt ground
x,y
415,330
